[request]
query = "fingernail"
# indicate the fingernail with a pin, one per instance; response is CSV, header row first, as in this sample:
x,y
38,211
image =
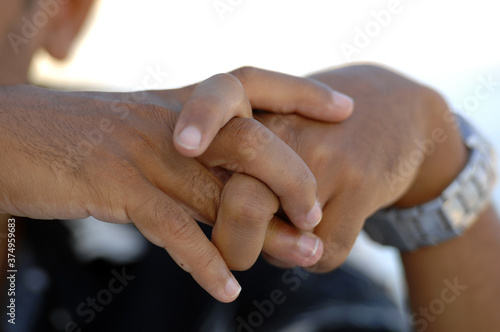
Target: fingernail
x,y
189,138
314,216
308,245
341,101
232,289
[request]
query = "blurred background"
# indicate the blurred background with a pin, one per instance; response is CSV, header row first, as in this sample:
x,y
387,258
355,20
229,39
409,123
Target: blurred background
x,y
449,45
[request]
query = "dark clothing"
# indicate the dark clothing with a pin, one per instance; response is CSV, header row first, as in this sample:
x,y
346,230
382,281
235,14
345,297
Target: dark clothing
x,y
56,292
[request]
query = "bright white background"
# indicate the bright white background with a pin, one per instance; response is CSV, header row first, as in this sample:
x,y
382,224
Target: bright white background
x,y
450,45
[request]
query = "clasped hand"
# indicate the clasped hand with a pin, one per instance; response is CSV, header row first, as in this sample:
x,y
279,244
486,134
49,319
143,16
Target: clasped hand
x,y
196,153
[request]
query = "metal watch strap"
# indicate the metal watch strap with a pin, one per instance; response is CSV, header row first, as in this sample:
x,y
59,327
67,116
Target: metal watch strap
x,y
451,213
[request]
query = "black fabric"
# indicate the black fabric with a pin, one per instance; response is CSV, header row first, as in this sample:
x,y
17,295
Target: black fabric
x,y
159,296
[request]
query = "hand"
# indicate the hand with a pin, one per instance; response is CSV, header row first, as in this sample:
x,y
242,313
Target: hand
x,y
242,220
209,105
400,147
74,155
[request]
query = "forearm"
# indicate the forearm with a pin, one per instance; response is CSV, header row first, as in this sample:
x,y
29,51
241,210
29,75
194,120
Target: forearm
x,y
470,260
456,286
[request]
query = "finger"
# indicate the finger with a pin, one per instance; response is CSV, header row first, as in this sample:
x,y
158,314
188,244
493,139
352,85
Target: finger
x,y
246,208
276,262
246,146
184,179
290,247
339,230
246,223
167,225
276,92
211,104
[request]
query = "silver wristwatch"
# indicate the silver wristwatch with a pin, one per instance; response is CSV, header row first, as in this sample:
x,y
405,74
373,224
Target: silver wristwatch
x,y
450,214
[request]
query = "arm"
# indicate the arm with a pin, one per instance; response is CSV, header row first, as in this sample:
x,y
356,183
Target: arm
x,y
455,286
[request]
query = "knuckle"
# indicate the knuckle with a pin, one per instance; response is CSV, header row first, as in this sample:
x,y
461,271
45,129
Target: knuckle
x,y
160,223
251,137
207,103
234,98
178,227
168,221
244,129
249,211
303,180
371,68
321,154
207,256
229,80
355,179
379,79
354,175
245,74
283,126
431,100
204,192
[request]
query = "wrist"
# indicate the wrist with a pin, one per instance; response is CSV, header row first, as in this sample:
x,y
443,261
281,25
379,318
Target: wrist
x,y
444,151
